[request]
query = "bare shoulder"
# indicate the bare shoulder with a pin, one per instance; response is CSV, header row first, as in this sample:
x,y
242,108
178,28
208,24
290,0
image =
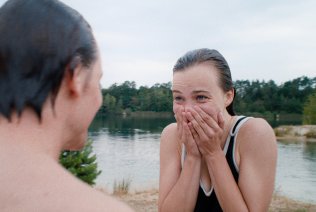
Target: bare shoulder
x,y
169,130
46,186
169,141
256,134
256,125
94,200
169,135
79,196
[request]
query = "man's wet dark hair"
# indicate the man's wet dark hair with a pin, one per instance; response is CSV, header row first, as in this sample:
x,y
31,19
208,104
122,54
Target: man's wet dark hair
x,y
199,56
39,41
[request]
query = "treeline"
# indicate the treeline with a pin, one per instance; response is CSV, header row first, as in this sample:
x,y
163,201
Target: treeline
x,y
261,96
251,96
126,97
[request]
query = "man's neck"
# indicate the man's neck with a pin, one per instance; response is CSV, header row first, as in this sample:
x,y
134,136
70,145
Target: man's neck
x,y
27,135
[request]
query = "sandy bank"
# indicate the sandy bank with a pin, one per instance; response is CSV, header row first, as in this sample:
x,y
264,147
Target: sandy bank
x,y
146,201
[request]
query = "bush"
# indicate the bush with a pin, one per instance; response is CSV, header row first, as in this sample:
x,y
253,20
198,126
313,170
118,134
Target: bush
x,y
81,163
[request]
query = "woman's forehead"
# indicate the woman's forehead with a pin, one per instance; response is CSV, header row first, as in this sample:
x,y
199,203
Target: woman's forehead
x,y
198,77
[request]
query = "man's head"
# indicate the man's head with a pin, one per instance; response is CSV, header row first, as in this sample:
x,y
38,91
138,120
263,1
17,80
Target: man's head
x,y
49,68
40,41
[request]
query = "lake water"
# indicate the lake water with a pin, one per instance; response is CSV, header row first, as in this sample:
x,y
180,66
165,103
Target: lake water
x,y
128,148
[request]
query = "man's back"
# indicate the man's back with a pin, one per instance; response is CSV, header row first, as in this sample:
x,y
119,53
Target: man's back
x,y
37,183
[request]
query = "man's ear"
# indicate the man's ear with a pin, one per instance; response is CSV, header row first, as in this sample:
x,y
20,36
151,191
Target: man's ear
x,y
74,77
229,97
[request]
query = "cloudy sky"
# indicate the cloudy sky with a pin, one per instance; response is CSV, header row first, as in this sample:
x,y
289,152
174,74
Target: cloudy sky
x,y
140,40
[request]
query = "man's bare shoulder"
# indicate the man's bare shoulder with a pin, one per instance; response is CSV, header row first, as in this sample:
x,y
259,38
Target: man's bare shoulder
x,y
90,199
54,189
83,197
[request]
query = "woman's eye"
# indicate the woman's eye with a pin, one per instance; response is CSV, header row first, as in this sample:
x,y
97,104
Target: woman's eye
x,y
201,98
177,98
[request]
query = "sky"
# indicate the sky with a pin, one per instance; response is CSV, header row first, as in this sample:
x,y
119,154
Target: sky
x,y
141,40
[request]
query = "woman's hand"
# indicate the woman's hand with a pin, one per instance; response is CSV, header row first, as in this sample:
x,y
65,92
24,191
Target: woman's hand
x,y
185,135
206,132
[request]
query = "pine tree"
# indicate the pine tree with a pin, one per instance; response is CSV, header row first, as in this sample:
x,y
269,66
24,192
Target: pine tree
x,y
81,163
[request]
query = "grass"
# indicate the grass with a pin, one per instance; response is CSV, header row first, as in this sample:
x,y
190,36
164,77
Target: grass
x,y
121,187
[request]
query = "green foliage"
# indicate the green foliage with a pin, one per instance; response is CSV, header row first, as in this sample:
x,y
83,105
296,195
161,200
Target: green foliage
x,y
309,115
264,96
81,163
126,97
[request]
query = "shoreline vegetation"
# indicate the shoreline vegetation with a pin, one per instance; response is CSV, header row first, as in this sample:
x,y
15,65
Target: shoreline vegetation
x,y
147,201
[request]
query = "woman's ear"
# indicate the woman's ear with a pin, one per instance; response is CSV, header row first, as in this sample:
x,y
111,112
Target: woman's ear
x,y
229,97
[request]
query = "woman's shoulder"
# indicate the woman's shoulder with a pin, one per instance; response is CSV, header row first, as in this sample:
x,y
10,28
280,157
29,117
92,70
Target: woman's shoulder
x,y
169,129
256,132
169,138
254,126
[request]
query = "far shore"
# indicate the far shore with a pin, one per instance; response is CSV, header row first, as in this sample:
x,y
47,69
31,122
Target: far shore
x,y
300,133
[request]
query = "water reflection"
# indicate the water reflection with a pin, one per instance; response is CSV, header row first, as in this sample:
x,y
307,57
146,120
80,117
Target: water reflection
x,y
296,171
132,157
119,125
310,152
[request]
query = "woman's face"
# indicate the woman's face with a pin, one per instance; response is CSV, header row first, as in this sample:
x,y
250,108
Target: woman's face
x,y
198,85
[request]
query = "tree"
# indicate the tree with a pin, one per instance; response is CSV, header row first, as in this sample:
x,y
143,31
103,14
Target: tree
x,y
109,103
81,163
309,115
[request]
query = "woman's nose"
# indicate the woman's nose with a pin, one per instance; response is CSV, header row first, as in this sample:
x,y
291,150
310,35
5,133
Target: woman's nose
x,y
189,104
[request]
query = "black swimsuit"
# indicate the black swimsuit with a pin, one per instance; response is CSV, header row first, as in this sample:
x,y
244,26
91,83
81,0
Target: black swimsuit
x,y
208,202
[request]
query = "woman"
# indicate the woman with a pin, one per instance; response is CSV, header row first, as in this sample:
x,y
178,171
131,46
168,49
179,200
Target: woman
x,y
211,159
49,93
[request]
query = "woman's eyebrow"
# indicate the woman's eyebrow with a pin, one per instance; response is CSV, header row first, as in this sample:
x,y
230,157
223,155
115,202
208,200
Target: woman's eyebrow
x,y
200,91
176,91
